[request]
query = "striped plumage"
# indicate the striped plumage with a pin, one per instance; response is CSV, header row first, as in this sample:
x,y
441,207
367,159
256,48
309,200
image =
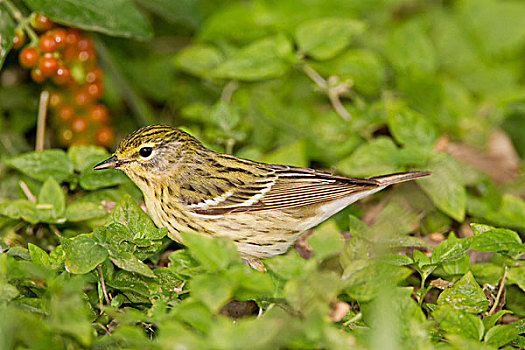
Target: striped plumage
x,y
264,208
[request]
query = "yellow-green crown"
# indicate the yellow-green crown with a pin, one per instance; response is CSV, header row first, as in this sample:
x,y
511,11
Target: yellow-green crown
x,y
158,135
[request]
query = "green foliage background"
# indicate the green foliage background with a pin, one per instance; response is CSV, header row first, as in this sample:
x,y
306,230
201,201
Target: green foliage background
x,y
362,87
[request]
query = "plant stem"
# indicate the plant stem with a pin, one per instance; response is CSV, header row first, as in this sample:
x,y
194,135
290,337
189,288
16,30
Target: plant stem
x,y
423,291
332,89
22,20
498,295
41,121
103,284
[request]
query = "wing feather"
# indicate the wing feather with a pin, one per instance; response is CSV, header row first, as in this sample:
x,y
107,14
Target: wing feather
x,y
292,187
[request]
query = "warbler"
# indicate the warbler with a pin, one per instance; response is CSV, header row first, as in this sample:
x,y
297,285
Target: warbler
x,y
262,207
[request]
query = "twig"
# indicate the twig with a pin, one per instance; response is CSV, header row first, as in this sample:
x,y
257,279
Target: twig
x,y
228,90
332,88
102,326
103,285
498,295
316,77
27,191
353,319
41,122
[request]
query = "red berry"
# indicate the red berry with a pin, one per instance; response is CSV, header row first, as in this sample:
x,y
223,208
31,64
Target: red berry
x,y
94,74
82,98
69,53
99,113
79,125
60,36
81,141
63,74
95,89
47,43
19,39
87,55
104,135
84,43
65,113
55,99
73,36
37,75
40,22
28,57
48,64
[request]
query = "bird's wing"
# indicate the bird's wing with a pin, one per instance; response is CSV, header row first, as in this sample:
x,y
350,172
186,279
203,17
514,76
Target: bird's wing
x,y
283,187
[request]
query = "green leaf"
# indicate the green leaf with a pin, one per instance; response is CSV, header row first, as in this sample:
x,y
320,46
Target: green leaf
x,y
214,253
362,282
517,275
490,239
212,290
487,273
324,38
326,240
41,165
38,256
20,209
490,22
198,59
8,292
261,60
501,334
378,156
82,254
83,210
364,68
490,321
52,194
509,210
111,17
225,116
466,294
409,49
410,128
292,154
458,266
84,158
287,266
188,12
129,214
445,186
454,321
95,179
129,262
451,249
7,33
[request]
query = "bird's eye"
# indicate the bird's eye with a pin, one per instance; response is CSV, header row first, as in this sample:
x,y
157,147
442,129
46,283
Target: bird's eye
x,y
145,152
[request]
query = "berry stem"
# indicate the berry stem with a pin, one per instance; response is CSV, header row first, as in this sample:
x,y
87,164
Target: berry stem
x,y
23,21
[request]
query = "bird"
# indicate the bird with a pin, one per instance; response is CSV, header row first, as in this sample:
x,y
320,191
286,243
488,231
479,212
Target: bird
x,y
264,208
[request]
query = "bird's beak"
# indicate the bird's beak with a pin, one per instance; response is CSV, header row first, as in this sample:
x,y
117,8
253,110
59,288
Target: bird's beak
x,y
110,163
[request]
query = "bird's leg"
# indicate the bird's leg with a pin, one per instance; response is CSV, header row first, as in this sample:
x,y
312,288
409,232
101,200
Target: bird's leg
x,y
254,263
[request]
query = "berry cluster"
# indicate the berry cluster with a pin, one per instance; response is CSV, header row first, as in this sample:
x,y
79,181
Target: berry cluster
x,y
67,59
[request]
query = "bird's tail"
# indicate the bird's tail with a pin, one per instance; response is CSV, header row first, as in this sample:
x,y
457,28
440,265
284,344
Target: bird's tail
x,y
391,179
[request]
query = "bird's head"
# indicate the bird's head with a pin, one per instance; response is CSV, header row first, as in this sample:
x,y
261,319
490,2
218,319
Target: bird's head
x,y
152,150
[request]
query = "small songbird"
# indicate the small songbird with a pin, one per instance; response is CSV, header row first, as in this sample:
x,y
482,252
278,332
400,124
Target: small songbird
x,y
262,207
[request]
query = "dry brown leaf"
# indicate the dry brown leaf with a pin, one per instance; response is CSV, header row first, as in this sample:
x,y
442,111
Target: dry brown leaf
x,y
441,283
339,311
500,161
